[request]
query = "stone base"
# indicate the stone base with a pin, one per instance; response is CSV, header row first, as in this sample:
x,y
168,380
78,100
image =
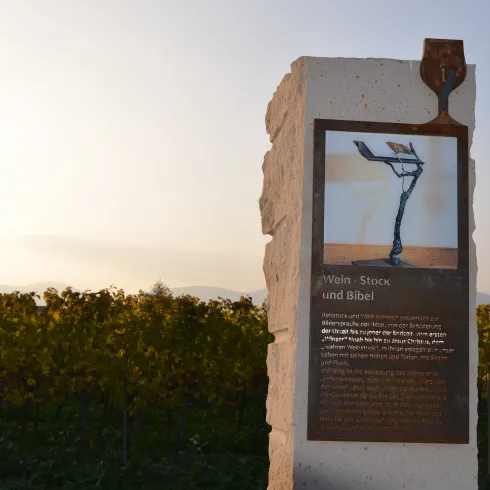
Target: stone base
x,y
380,263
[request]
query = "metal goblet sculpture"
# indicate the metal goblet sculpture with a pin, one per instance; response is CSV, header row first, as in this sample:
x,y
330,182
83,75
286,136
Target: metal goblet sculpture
x,y
398,149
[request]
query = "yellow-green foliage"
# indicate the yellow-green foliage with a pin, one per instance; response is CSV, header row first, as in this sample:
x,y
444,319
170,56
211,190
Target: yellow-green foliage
x,y
483,321
134,350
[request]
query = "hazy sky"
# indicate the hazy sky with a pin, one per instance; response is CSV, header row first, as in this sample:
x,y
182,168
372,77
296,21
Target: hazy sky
x,y
132,132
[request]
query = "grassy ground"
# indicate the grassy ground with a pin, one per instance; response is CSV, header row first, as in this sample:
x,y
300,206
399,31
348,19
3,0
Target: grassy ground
x,y
214,454
482,433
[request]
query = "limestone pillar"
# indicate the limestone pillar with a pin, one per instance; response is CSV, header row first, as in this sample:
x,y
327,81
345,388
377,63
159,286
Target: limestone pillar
x,y
378,90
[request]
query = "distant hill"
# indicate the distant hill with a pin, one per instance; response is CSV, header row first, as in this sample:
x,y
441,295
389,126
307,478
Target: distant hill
x,y
206,293
38,287
482,299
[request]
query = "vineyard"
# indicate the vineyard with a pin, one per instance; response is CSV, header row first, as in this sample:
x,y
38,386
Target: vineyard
x,y
483,322
107,390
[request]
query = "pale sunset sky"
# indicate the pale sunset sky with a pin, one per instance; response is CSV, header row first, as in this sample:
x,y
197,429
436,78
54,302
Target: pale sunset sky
x,y
132,132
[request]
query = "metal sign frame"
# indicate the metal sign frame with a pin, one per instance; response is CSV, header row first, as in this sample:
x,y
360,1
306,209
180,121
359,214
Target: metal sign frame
x,y
441,293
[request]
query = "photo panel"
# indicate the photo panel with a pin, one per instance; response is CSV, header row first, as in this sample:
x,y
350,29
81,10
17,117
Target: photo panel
x,y
398,200
389,339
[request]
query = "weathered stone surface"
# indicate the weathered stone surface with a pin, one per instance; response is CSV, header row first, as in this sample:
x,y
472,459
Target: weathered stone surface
x,y
280,366
350,89
280,205
281,461
281,270
282,168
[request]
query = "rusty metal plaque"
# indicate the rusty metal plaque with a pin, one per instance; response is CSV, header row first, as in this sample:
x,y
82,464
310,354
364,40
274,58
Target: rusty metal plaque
x,y
389,339
443,69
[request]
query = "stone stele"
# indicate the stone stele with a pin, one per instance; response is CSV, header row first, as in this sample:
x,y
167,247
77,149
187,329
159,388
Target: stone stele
x,y
382,90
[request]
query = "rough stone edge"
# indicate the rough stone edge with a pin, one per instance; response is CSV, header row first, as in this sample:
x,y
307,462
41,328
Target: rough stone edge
x,y
473,271
285,109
